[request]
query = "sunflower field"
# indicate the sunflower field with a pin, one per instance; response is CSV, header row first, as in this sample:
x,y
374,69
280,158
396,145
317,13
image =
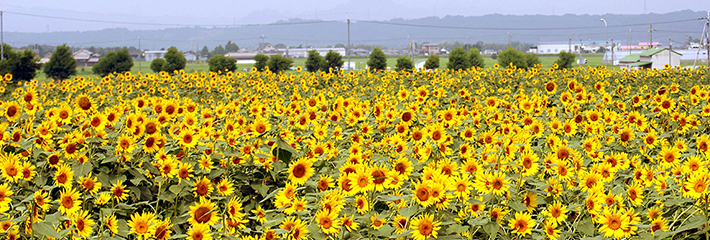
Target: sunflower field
x,y
498,153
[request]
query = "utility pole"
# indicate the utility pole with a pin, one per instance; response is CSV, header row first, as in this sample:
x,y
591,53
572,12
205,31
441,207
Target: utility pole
x,y
569,45
140,54
629,41
2,38
347,51
508,39
704,40
580,52
650,36
670,52
612,53
262,44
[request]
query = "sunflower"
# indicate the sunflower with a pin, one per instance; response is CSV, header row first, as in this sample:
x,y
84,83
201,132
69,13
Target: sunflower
x,y
126,144
54,160
529,163
112,224
85,103
424,227
668,157
349,223
185,172
261,125
300,171
522,224
12,111
361,179
204,212
362,204
187,139
224,187
64,176
82,224
98,121
41,199
10,164
556,212
89,184
5,194
696,185
551,230
260,214
163,229
422,193
203,187
69,201
613,223
119,191
142,224
659,223
328,222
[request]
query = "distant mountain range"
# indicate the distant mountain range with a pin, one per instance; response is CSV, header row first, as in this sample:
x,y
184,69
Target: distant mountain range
x,y
394,33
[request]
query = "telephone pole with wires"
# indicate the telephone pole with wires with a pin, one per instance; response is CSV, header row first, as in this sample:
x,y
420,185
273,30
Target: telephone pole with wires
x,y
704,40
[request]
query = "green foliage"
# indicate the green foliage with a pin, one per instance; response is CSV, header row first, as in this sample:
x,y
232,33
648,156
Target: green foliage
x,y
432,62
475,59
565,60
531,60
219,50
174,60
494,56
314,61
458,59
61,65
205,51
22,65
404,63
231,47
378,60
260,63
333,60
513,56
157,65
278,63
221,63
118,62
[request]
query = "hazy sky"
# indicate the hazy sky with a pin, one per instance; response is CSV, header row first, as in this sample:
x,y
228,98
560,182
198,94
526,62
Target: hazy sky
x,y
266,11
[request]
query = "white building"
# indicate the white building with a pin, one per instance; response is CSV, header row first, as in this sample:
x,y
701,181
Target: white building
x,y
154,54
303,52
655,58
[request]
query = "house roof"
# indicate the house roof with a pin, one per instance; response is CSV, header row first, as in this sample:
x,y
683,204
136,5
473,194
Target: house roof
x,y
639,63
653,51
631,58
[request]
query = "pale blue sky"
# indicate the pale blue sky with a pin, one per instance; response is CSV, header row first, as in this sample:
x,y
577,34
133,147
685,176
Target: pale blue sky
x,y
267,11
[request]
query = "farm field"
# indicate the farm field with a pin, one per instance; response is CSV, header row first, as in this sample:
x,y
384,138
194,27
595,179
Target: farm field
x,y
495,153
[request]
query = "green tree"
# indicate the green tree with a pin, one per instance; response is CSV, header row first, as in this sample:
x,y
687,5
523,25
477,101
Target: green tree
x,y
218,50
404,63
61,65
22,65
260,62
205,51
174,60
510,55
378,60
221,63
458,59
231,47
118,62
494,56
333,60
475,59
565,60
432,62
531,60
278,63
157,65
314,61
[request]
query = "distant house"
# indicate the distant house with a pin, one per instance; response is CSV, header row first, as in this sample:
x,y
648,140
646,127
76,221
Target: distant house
x,y
268,49
190,56
154,54
647,45
490,51
430,49
444,51
359,52
84,58
653,58
45,58
135,55
303,52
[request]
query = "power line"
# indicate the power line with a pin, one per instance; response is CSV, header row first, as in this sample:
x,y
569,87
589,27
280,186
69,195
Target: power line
x,y
521,29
